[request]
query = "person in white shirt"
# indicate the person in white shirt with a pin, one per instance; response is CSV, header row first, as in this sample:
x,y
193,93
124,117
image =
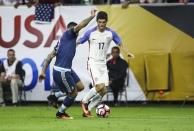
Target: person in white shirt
x,y
99,39
11,75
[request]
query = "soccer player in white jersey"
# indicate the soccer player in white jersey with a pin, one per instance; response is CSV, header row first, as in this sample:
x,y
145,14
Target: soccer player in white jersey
x,y
99,39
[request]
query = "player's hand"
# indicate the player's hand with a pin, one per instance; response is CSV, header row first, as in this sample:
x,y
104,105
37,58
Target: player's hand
x,y
9,78
130,55
42,76
93,12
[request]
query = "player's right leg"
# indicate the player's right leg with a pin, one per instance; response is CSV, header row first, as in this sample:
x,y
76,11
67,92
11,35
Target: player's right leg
x,y
78,84
99,75
69,86
94,73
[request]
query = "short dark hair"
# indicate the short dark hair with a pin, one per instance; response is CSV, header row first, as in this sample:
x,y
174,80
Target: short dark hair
x,y
117,48
102,15
71,24
11,50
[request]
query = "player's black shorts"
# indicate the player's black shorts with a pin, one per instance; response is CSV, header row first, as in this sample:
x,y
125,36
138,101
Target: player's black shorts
x,y
64,81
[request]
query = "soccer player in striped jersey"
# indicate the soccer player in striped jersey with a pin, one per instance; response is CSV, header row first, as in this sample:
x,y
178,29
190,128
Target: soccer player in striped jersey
x,y
65,79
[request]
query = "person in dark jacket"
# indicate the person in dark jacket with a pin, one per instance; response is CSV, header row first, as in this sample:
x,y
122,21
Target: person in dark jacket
x,y
117,68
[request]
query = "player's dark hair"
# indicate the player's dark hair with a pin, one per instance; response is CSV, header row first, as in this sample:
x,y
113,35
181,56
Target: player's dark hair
x,y
117,48
71,24
102,15
11,50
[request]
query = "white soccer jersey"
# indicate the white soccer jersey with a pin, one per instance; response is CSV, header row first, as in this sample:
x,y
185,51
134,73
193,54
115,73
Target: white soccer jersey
x,y
99,43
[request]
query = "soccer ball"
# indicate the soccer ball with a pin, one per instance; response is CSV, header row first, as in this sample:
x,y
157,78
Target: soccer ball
x,y
103,111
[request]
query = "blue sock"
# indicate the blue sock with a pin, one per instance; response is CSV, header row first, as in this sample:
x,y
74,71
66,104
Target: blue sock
x,y
68,101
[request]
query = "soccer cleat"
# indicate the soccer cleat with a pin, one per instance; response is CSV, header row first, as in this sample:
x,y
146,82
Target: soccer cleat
x,y
63,116
52,99
84,107
89,115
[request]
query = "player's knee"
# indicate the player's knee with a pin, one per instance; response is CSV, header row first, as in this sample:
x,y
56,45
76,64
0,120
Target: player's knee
x,y
73,93
79,86
103,91
99,87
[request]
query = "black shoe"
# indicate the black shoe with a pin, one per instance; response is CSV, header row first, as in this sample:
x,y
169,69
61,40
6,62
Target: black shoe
x,y
52,99
64,116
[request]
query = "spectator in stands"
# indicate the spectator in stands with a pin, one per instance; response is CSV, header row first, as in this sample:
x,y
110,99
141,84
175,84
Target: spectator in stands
x,y
67,2
150,1
117,68
12,75
115,2
28,3
126,3
176,1
7,2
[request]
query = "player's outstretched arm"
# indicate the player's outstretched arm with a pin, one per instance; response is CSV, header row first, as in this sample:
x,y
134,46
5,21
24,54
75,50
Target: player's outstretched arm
x,y
45,65
85,22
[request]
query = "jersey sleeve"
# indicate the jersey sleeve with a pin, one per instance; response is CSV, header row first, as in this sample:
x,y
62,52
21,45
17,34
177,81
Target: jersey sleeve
x,y
84,38
116,38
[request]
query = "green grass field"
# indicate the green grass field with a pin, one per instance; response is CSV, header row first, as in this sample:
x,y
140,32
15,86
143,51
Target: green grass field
x,y
131,118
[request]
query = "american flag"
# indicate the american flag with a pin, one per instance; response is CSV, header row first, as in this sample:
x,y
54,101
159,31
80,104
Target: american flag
x,y
44,13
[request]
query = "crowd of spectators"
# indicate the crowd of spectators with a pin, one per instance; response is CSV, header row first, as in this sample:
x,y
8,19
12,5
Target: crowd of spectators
x,y
29,3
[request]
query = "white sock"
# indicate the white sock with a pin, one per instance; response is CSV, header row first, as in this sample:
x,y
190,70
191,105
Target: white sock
x,y
62,108
59,94
95,101
89,95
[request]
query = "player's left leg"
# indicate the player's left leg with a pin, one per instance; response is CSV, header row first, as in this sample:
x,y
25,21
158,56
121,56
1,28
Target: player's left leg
x,y
97,99
68,101
70,85
79,85
102,90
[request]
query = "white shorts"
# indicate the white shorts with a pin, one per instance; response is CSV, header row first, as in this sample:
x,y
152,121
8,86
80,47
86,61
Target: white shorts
x,y
99,73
